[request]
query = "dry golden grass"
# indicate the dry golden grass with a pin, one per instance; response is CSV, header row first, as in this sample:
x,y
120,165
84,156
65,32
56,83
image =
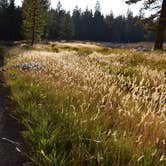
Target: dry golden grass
x,y
124,89
78,44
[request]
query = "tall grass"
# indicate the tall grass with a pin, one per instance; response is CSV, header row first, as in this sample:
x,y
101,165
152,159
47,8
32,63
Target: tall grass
x,y
99,109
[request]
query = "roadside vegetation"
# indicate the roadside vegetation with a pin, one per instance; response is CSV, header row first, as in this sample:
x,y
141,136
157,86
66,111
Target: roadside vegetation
x,y
90,105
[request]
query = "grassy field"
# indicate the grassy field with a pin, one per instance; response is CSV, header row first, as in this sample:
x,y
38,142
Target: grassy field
x,y
90,105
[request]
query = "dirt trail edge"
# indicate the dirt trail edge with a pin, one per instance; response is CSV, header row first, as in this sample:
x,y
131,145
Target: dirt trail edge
x,y
10,137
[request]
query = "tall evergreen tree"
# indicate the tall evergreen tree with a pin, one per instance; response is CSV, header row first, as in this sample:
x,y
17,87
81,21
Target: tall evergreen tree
x,y
10,21
34,19
77,21
86,25
109,22
99,27
3,21
52,24
67,27
56,20
60,15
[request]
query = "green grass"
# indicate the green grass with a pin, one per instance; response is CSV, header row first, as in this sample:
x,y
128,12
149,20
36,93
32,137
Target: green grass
x,y
59,132
55,132
81,51
84,51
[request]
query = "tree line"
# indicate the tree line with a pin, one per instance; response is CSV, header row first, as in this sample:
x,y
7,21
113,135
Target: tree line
x,y
35,20
94,26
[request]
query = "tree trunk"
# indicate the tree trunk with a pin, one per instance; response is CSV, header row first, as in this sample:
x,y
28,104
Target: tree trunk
x,y
33,38
161,28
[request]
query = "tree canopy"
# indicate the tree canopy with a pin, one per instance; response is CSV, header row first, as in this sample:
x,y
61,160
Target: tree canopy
x,y
34,19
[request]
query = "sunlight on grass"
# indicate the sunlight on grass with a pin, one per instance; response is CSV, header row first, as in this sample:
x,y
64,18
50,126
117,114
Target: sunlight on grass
x,y
103,108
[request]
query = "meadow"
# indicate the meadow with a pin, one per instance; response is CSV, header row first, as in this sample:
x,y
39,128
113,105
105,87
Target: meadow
x,y
90,105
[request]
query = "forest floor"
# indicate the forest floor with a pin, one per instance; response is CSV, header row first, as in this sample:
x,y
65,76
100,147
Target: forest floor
x,y
83,103
10,138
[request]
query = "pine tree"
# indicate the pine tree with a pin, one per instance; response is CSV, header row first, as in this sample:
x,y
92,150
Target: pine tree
x,y
3,21
34,19
157,20
98,23
86,25
11,21
109,23
77,21
55,22
67,27
60,20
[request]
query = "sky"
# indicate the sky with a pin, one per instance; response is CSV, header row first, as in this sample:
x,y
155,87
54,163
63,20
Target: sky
x,y
116,6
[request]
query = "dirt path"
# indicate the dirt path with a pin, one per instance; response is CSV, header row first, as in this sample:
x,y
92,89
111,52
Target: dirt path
x,y
9,130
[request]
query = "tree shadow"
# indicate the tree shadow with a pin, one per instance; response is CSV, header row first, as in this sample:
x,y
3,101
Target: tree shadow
x,y
10,137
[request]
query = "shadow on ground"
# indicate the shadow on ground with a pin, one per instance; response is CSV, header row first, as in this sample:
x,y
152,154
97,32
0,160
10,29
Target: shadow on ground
x,y
9,129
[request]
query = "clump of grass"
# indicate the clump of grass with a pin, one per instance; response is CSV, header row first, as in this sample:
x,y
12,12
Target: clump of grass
x,y
82,51
105,51
134,60
159,65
